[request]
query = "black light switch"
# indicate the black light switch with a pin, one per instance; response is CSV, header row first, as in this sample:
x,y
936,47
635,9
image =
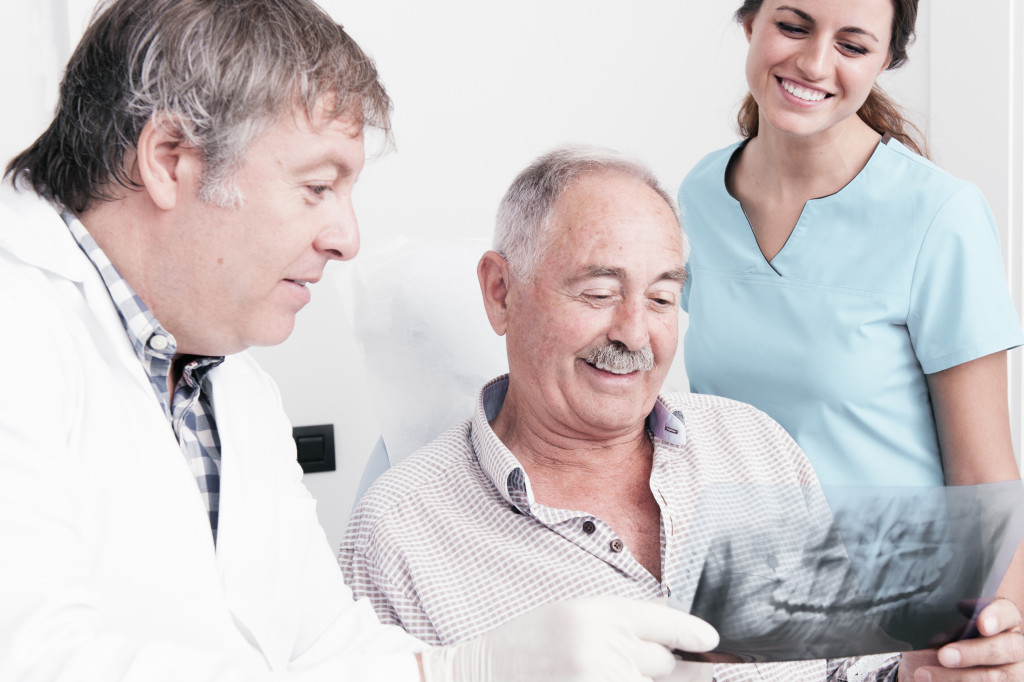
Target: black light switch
x,y
315,447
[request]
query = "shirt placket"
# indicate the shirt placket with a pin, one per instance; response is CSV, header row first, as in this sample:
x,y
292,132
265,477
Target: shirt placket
x,y
596,537
681,565
204,467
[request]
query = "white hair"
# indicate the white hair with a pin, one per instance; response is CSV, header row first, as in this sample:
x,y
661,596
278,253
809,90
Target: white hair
x,y
524,215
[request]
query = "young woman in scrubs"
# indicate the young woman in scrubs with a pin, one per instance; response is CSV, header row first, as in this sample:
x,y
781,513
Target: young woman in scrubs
x,y
839,281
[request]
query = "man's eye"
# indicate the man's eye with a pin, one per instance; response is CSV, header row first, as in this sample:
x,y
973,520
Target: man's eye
x,y
598,296
318,190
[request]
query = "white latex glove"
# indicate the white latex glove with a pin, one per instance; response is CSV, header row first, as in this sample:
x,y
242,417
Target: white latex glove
x,y
690,672
583,640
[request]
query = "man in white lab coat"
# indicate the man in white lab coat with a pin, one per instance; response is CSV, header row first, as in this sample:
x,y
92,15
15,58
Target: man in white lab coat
x,y
195,181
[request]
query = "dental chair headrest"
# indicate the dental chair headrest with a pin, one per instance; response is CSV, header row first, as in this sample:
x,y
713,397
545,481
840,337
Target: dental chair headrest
x,y
418,314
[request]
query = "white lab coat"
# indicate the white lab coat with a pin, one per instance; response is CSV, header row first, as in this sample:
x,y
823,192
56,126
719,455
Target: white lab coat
x,y
107,566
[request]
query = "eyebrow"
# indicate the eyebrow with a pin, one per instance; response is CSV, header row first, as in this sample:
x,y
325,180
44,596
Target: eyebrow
x,y
809,19
343,167
591,271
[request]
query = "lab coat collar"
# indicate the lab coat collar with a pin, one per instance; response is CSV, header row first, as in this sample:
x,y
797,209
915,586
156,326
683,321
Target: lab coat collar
x,y
31,229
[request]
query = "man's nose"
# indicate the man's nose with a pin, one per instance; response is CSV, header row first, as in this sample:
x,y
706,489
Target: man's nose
x,y
338,239
629,326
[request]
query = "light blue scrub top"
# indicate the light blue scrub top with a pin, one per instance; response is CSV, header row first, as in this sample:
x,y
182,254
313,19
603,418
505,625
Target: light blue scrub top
x,y
896,276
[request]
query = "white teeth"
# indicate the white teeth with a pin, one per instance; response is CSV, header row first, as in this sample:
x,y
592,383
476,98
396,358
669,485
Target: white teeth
x,y
805,94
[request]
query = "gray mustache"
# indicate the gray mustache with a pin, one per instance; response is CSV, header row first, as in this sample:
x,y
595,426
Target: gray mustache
x,y
615,356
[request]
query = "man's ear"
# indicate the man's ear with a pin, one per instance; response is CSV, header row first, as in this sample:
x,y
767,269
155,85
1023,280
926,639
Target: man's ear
x,y
493,273
166,167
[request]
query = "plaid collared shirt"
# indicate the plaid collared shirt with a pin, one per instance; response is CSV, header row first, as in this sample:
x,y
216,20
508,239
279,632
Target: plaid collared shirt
x,y
452,543
188,410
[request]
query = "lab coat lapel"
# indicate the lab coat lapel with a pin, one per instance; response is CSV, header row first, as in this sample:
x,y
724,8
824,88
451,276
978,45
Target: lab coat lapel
x,y
264,525
34,232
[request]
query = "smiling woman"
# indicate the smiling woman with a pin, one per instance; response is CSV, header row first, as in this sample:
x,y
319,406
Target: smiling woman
x,y
810,73
877,110
877,313
840,281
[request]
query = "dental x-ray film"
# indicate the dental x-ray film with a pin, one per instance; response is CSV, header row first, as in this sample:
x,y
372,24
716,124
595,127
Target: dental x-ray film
x,y
784,576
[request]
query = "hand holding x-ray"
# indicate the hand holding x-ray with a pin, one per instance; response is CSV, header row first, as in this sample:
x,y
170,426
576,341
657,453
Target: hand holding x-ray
x,y
581,640
1000,646
890,569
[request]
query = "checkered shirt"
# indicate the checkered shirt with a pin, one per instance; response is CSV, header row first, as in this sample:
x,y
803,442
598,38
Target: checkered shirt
x,y
189,413
451,542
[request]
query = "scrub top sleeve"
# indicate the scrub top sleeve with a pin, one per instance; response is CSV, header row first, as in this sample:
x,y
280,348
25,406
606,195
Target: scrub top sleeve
x,y
960,306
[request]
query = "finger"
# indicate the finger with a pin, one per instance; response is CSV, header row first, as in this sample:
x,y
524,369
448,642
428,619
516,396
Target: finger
x,y
999,616
1002,649
652,660
1009,672
969,607
690,672
671,627
912,660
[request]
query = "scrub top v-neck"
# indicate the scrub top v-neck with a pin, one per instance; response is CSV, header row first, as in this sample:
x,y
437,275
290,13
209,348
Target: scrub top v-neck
x,y
895,276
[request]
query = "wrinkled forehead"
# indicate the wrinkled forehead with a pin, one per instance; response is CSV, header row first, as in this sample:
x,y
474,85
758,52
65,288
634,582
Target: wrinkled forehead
x,y
598,194
599,202
613,222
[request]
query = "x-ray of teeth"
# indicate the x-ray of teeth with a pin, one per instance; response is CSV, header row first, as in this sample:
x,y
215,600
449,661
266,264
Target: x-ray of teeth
x,y
784,575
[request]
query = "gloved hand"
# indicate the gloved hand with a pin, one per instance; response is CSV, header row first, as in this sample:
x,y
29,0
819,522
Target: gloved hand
x,y
583,640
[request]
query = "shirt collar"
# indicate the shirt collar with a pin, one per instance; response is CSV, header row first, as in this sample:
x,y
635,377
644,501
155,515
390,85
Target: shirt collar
x,y
505,471
154,346
147,336
497,461
666,424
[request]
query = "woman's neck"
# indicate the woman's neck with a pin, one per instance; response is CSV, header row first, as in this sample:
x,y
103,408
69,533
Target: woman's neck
x,y
812,166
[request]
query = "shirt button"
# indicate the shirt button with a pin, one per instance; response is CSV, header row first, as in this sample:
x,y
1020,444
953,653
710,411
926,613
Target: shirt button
x,y
589,527
616,545
158,342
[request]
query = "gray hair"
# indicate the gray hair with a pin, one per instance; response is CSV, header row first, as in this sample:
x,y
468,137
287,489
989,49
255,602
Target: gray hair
x,y
525,214
216,72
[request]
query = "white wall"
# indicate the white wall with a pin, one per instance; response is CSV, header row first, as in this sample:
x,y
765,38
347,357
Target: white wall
x,y
976,94
482,88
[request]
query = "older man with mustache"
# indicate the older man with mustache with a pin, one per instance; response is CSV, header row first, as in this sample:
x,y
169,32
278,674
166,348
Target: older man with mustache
x,y
575,476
